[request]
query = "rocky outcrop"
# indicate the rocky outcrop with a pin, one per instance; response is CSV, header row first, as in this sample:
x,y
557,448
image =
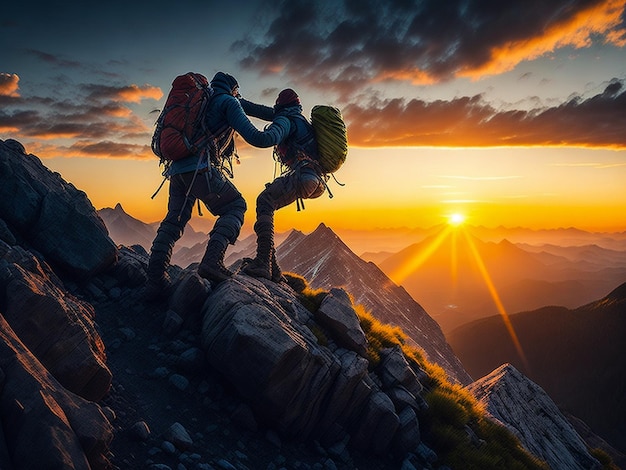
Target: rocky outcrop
x,y
55,326
52,359
52,215
305,378
44,425
523,407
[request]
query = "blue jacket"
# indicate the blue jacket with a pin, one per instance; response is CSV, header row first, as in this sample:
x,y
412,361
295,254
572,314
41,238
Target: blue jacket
x,y
224,113
299,135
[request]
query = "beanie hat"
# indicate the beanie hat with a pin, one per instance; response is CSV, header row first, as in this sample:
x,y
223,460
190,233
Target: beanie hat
x,y
224,81
287,97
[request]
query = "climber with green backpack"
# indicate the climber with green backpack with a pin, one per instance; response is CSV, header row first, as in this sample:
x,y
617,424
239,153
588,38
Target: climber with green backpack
x,y
308,155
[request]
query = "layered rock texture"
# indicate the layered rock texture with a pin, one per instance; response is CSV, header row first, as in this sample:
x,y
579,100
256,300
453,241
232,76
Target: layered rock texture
x,y
525,408
52,215
261,337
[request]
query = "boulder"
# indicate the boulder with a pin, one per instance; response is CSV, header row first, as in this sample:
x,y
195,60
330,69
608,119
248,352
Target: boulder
x,y
51,214
45,425
337,314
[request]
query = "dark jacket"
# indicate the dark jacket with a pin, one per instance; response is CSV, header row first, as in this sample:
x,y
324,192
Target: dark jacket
x,y
224,116
300,136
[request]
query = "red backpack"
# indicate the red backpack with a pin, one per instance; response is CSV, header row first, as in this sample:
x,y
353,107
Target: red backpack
x,y
180,130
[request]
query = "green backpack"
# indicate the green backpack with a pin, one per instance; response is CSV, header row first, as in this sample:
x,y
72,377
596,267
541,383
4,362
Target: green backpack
x,y
331,136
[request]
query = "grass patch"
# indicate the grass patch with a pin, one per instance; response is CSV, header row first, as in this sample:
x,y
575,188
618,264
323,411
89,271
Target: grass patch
x,y
309,297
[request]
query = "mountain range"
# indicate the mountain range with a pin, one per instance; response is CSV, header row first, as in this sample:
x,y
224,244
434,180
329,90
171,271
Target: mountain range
x,y
529,269
465,278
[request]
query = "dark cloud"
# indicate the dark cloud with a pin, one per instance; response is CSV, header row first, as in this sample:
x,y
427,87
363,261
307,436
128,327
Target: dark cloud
x,y
349,44
111,149
598,121
96,114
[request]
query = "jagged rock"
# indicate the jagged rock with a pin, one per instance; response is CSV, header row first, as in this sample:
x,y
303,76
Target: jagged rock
x,y
129,269
400,381
139,431
409,438
337,314
57,328
380,423
523,407
274,361
52,215
49,426
172,323
5,233
395,370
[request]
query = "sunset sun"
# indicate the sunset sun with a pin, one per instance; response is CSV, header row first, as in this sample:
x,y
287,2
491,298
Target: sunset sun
x,y
456,219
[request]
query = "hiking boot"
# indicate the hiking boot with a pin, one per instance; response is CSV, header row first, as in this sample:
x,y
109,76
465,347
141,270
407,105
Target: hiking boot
x,y
212,266
256,268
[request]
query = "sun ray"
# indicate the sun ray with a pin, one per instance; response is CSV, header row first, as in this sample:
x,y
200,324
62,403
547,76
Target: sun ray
x,y
454,261
405,269
496,299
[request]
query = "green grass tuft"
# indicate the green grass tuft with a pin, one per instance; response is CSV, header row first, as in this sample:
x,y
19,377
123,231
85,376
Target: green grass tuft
x,y
309,297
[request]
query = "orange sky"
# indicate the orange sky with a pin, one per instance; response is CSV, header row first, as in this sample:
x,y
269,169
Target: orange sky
x,y
513,117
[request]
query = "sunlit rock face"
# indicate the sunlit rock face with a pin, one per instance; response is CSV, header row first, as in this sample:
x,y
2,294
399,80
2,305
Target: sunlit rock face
x,y
45,426
522,406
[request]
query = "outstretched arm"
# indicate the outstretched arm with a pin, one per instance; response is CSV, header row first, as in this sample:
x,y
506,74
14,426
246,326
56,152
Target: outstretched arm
x,y
257,110
273,134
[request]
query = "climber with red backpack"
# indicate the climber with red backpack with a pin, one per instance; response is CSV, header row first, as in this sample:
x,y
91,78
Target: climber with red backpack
x,y
194,137
304,175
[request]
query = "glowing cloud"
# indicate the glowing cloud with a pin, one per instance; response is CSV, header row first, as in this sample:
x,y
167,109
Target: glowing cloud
x,y
576,31
9,85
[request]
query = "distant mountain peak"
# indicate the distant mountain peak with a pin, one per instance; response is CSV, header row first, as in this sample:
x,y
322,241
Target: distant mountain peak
x,y
118,208
326,261
323,230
